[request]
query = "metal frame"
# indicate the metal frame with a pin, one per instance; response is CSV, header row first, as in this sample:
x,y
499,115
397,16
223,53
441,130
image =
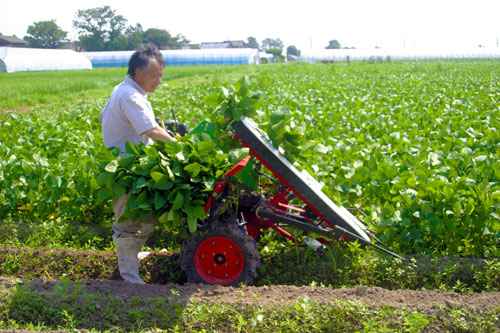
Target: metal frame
x,y
339,223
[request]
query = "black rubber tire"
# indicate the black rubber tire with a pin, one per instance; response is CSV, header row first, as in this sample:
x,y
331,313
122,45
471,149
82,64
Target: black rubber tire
x,y
235,234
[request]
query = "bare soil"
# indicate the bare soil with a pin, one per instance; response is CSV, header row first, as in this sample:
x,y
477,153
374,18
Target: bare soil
x,y
109,282
424,301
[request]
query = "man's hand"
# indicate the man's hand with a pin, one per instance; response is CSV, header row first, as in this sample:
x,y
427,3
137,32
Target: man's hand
x,y
158,133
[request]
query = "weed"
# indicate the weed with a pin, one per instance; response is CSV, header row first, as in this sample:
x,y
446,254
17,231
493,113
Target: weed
x,y
415,322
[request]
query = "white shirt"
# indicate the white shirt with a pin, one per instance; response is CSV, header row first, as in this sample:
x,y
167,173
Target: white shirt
x,y
127,116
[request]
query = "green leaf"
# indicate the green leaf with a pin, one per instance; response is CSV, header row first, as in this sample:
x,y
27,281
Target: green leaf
x,y
57,181
170,173
236,113
277,131
193,169
360,138
495,195
426,209
245,104
219,173
159,177
237,154
126,181
105,156
159,200
225,93
131,149
206,147
119,190
322,149
126,159
111,166
171,147
142,182
103,195
172,194
178,171
163,217
180,156
448,192
178,202
467,151
242,87
199,212
177,219
164,186
481,158
105,179
192,223
141,169
142,197
279,115
144,214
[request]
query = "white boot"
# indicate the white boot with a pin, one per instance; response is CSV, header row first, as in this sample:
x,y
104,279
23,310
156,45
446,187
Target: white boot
x,y
140,243
127,249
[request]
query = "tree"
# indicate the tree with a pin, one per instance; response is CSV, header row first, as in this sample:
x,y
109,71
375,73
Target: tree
x,y
180,41
117,40
100,28
134,36
292,53
278,57
333,44
46,35
270,43
163,40
252,43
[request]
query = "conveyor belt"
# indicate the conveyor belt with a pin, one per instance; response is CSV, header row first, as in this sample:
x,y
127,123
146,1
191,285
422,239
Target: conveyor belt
x,y
301,183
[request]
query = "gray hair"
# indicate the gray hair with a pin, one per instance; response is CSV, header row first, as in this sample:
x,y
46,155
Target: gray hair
x,y
141,59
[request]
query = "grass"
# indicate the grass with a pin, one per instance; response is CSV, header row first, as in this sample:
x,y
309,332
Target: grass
x,y
25,90
29,89
72,309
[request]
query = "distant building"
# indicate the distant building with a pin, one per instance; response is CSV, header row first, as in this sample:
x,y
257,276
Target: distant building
x,y
229,44
12,41
191,47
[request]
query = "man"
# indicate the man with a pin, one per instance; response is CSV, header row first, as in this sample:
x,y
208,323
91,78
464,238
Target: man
x,y
128,116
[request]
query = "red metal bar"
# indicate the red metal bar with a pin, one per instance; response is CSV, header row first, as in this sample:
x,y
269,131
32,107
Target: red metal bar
x,y
220,186
240,165
280,197
286,184
283,232
291,207
254,221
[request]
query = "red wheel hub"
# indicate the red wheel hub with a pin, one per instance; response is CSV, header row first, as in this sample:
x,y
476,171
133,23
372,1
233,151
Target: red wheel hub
x,y
219,260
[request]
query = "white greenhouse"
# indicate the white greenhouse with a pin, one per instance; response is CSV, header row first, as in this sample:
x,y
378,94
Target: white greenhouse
x,y
108,58
14,59
238,56
334,55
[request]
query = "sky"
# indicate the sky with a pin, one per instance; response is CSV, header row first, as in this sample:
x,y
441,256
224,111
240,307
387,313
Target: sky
x,y
309,25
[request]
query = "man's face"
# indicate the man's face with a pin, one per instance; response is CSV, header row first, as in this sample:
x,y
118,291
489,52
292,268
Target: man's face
x,y
150,80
